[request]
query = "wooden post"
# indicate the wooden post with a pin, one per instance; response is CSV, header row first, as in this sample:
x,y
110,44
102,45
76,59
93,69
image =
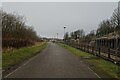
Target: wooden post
x,y
109,53
92,50
87,48
84,47
99,51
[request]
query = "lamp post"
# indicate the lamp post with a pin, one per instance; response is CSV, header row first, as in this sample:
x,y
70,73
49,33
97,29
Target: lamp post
x,y
64,31
64,34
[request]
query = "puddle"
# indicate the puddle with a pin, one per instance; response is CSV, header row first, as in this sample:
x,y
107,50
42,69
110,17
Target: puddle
x,y
88,57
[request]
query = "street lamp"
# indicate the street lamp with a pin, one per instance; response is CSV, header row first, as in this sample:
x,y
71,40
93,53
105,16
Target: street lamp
x,y
64,34
64,30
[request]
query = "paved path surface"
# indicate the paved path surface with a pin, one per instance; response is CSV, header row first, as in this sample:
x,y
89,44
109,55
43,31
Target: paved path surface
x,y
53,62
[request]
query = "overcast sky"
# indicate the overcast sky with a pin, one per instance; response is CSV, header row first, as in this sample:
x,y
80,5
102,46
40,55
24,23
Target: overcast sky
x,y
49,18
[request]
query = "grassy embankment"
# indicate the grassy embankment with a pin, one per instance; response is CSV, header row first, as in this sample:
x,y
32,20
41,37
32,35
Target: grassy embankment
x,y
17,56
100,66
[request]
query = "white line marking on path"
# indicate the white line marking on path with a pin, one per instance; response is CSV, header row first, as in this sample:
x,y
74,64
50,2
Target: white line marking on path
x,y
94,73
21,66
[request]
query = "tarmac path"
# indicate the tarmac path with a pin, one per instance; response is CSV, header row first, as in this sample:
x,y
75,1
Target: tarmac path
x,y
53,62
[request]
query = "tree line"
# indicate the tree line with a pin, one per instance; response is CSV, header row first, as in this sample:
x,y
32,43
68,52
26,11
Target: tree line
x,y
109,25
15,33
104,28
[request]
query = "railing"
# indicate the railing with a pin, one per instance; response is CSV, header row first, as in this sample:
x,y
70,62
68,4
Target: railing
x,y
105,53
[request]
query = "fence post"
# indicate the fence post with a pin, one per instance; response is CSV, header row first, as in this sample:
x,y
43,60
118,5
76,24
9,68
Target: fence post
x,y
92,50
73,44
99,51
88,48
83,47
79,46
109,53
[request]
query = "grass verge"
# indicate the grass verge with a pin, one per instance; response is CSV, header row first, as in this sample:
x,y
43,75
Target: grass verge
x,y
18,56
99,65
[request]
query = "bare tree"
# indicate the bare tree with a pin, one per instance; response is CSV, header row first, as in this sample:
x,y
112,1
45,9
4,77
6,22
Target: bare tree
x,y
15,31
